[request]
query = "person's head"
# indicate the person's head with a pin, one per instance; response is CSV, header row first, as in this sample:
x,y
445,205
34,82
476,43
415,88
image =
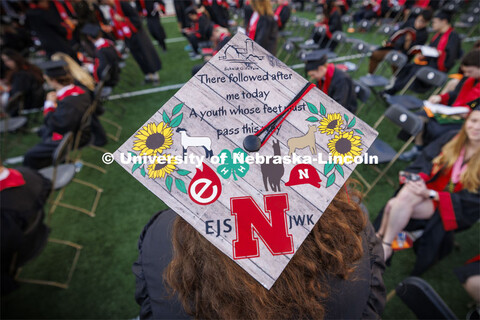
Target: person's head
x,y
110,3
469,135
91,31
74,69
263,7
217,32
316,68
441,21
212,286
471,64
192,13
56,74
423,19
15,62
43,4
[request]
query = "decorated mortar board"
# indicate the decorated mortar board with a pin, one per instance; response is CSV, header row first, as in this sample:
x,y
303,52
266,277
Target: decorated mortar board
x,y
248,141
92,30
54,69
314,59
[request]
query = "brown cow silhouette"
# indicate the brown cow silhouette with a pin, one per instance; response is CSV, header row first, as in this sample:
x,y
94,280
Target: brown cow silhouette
x,y
307,140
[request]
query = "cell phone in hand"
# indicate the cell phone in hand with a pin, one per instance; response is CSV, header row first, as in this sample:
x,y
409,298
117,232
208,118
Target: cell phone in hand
x,y
404,177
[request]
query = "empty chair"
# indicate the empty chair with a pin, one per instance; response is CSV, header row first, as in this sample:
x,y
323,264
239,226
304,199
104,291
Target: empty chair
x,y
407,121
422,299
430,76
363,94
365,25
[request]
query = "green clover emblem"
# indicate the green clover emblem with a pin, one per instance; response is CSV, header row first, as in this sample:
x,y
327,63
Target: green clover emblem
x,y
234,164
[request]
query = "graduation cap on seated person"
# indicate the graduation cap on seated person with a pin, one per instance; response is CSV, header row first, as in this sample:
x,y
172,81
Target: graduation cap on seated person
x,y
314,59
240,152
54,69
92,30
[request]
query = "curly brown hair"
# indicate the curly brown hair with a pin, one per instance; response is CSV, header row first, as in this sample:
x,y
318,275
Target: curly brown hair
x,y
210,285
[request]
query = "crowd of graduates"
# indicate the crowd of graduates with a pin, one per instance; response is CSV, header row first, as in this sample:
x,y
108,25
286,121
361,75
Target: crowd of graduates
x,y
82,43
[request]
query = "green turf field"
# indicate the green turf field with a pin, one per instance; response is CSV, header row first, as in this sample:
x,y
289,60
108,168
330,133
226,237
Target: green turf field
x,y
103,284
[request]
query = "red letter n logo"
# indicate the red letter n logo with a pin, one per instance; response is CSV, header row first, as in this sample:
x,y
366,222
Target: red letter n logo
x,y
250,219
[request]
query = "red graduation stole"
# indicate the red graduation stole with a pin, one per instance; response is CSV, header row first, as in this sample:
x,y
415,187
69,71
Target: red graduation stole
x,y
468,93
14,179
252,27
324,85
67,22
442,44
277,14
123,28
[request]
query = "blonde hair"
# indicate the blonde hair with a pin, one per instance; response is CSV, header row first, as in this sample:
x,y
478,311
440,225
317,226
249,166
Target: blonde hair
x,y
76,71
263,7
470,178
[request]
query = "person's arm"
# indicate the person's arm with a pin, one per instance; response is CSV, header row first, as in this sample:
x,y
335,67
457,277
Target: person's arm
x,y
67,116
340,87
449,98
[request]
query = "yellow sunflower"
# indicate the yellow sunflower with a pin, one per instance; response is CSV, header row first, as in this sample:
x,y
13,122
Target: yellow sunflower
x,y
344,145
163,165
331,124
153,138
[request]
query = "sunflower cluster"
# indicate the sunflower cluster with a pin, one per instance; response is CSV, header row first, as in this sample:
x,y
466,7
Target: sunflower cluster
x,y
344,143
152,140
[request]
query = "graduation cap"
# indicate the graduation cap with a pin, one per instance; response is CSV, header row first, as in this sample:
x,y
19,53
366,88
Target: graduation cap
x,y
92,30
444,15
314,59
191,154
54,69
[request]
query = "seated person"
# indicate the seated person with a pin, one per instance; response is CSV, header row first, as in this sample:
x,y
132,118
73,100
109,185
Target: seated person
x,y
466,93
444,195
409,35
23,77
220,37
282,13
331,21
23,193
339,261
372,9
334,82
63,111
200,30
448,45
105,55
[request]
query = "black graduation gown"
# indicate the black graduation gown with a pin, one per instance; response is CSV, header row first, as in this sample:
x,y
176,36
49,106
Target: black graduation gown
x,y
67,117
46,25
34,94
453,51
218,13
436,242
283,17
140,44
107,56
180,6
19,207
153,21
334,24
267,33
341,89
365,295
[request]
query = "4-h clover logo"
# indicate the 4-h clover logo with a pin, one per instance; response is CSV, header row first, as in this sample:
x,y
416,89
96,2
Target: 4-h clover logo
x,y
234,164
